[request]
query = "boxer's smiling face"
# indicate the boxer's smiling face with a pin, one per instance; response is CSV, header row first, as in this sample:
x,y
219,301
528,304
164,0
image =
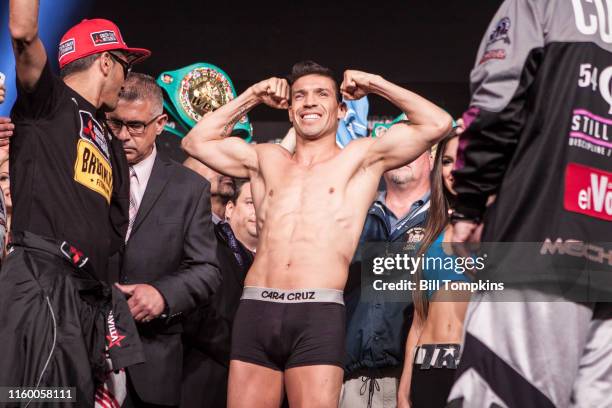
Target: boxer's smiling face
x,y
315,109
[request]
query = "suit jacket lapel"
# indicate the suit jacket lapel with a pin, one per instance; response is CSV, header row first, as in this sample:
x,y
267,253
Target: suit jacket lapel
x,y
160,175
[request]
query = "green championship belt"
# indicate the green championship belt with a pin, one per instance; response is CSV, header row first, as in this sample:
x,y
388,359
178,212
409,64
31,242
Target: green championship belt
x,y
379,128
195,90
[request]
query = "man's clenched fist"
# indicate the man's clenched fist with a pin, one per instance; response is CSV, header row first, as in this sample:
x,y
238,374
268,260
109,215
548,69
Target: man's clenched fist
x,y
356,84
274,92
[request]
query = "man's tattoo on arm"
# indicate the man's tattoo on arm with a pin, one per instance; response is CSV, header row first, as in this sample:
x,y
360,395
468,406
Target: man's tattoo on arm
x,y
230,125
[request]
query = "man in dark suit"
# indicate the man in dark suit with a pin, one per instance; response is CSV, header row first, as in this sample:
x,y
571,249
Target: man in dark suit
x,y
168,265
207,335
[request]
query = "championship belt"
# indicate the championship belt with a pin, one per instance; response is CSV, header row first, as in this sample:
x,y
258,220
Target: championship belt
x,y
193,91
380,128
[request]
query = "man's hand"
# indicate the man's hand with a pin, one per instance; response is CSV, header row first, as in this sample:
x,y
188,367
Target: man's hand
x,y
6,132
145,302
465,231
2,92
274,92
356,84
466,237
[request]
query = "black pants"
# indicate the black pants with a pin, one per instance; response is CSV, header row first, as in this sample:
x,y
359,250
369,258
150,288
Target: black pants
x,y
430,388
133,401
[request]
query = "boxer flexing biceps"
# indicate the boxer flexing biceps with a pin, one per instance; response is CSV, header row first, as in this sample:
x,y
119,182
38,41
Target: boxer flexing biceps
x,y
311,206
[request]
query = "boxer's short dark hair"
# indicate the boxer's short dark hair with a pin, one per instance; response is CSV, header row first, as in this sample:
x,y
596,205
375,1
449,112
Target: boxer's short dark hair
x,y
79,65
304,68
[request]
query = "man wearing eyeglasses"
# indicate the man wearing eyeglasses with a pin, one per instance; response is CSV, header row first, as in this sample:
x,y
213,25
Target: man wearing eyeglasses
x,y
168,265
70,190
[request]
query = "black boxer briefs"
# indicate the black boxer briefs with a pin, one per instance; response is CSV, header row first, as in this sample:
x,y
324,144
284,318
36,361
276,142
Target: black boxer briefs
x,y
281,329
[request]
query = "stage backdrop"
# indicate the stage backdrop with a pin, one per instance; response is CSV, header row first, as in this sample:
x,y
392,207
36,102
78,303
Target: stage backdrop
x,y
428,47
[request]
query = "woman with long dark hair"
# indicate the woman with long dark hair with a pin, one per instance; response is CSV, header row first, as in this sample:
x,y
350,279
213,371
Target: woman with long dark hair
x,y
432,347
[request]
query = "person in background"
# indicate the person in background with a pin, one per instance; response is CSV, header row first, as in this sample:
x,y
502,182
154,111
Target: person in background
x,y
6,205
70,194
168,265
5,184
377,330
2,88
207,335
222,187
433,344
534,137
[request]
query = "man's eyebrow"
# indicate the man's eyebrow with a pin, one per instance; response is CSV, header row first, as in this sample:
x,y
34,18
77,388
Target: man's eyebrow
x,y
319,89
127,121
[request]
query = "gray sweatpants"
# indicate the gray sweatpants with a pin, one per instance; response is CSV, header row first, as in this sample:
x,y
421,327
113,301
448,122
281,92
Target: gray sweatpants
x,y
374,388
544,353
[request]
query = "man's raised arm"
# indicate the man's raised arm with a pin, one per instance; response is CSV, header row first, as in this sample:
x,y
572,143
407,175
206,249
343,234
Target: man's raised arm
x,y
209,143
30,55
402,143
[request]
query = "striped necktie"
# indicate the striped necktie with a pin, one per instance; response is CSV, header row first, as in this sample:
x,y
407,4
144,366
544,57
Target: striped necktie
x,y
242,256
133,201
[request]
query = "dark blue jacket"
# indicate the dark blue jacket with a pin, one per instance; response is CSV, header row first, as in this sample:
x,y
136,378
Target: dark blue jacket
x,y
376,332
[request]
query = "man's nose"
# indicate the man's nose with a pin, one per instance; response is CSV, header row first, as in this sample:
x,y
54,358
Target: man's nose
x,y
310,100
123,134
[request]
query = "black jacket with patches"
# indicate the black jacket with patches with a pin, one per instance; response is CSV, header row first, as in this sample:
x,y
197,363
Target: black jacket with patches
x,y
539,133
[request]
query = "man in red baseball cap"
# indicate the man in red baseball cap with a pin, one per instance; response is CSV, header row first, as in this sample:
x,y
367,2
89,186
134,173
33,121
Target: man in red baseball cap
x,y
70,186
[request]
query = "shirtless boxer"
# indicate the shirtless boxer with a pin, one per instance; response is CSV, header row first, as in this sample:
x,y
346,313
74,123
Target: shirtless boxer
x,y
311,206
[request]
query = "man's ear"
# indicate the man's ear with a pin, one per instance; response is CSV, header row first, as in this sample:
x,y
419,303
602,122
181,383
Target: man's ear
x,y
229,209
160,123
342,110
105,62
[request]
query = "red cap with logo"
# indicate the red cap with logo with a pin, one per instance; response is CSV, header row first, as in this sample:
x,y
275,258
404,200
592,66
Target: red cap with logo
x,y
94,36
